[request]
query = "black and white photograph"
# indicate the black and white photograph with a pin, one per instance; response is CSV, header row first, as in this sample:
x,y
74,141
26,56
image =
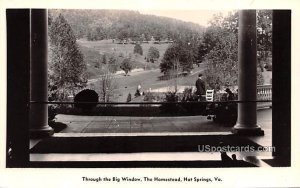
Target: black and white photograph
x,y
152,94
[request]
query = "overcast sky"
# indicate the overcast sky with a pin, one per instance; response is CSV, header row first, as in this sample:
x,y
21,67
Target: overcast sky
x,y
201,17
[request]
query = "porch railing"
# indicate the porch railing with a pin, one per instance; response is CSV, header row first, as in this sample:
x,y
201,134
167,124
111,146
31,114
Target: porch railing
x,y
264,92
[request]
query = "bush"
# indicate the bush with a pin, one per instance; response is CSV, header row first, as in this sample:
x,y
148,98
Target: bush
x,y
170,108
129,97
86,95
149,97
188,95
171,97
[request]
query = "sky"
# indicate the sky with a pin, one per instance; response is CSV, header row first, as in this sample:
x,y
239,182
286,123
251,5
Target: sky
x,y
201,17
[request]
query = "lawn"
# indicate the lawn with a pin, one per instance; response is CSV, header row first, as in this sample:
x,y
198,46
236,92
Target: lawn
x,y
93,52
106,46
150,78
147,79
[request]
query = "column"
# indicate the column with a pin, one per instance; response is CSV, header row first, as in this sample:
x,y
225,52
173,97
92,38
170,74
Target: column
x,y
281,112
18,89
247,120
38,74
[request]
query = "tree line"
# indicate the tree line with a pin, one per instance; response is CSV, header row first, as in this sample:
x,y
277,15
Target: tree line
x,y
125,24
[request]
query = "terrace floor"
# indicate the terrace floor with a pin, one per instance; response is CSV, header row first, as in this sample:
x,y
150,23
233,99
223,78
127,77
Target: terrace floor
x,y
109,125
125,124
102,126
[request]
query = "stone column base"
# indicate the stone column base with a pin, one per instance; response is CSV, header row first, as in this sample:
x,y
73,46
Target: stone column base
x,y
255,131
41,133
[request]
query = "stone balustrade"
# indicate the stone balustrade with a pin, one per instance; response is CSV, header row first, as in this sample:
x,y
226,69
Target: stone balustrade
x,y
264,92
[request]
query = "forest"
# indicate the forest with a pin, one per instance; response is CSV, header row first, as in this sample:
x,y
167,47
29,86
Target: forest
x,y
123,24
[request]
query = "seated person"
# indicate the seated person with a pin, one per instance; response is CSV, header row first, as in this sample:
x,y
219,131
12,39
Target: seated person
x,y
230,95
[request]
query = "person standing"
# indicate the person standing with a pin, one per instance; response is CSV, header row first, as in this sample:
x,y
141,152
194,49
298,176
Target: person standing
x,y
138,91
200,86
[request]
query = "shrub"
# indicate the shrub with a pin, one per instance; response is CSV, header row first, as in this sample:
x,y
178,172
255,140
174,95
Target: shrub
x,y
170,108
171,97
149,97
188,95
129,97
86,95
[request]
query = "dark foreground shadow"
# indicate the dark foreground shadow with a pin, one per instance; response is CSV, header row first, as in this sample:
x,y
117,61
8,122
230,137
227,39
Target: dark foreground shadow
x,y
141,164
133,144
57,126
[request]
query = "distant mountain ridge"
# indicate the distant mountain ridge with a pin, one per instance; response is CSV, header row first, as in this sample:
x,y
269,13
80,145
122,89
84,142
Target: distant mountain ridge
x,y
124,24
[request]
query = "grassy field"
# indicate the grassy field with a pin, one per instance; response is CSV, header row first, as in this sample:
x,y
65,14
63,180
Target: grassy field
x,y
149,78
106,46
93,52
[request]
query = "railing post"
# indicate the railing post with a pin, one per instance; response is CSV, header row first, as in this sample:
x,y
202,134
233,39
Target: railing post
x,y
38,73
247,119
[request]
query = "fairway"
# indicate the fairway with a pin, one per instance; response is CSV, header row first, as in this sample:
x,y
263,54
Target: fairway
x,y
106,46
147,79
94,51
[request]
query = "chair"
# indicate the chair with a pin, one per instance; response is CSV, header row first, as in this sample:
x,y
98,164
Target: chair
x,y
209,95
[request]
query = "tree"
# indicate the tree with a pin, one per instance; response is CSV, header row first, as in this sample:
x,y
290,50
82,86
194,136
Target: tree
x,y
107,86
230,24
221,52
222,70
112,64
122,24
67,68
104,61
264,37
177,52
208,42
100,33
91,36
126,65
138,49
153,54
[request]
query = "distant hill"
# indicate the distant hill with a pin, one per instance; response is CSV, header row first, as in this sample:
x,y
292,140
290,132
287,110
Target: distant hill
x,y
126,24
